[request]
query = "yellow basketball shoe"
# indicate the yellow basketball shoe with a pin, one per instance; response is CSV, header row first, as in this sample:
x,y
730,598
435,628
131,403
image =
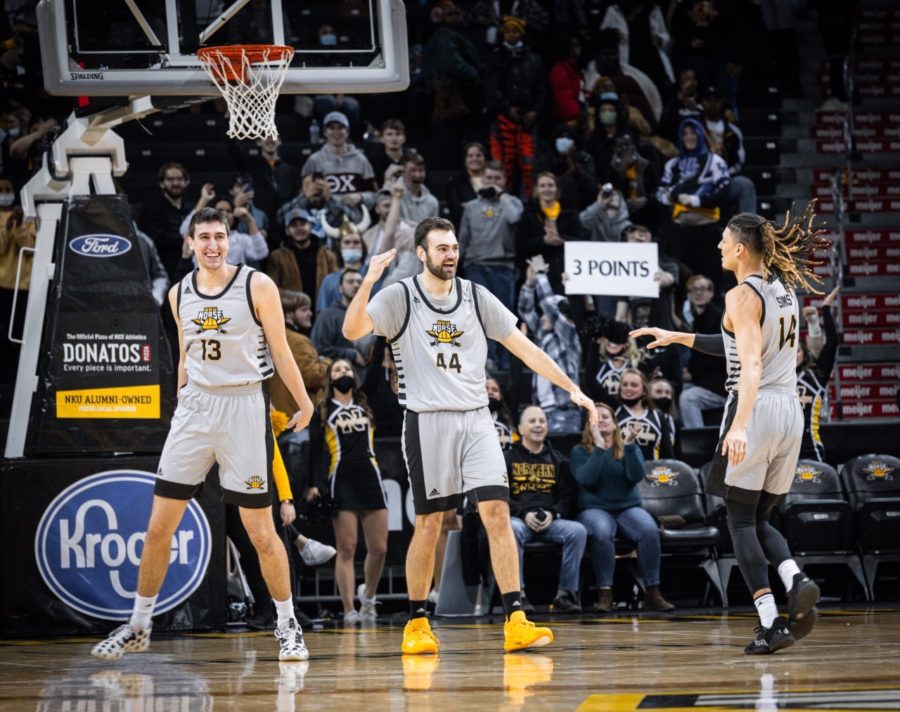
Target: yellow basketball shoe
x,y
418,638
520,633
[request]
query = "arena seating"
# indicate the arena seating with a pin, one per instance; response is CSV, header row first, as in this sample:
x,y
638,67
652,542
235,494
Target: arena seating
x,y
873,486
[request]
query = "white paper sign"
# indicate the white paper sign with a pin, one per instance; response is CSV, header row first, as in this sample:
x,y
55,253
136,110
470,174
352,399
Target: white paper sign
x,y
622,269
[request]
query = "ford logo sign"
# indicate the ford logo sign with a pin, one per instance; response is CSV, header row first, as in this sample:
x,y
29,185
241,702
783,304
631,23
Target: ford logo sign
x,y
100,245
89,542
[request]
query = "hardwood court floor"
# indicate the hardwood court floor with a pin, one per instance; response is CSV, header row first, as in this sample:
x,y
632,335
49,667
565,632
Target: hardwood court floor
x,y
685,661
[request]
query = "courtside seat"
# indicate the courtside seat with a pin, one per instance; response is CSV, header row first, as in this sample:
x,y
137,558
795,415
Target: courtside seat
x,y
671,492
817,521
815,515
873,487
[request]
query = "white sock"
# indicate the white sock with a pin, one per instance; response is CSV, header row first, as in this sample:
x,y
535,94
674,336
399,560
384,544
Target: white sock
x,y
284,610
787,569
142,612
768,611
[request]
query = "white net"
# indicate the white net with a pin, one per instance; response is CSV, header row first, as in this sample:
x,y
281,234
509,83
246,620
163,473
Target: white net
x,y
249,79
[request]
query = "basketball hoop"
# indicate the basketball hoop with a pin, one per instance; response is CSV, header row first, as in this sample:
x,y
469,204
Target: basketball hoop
x,y
249,77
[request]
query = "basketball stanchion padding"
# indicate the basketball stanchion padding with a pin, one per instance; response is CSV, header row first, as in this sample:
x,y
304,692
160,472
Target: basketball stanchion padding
x,y
249,77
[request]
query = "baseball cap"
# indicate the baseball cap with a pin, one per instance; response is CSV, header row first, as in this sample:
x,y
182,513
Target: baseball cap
x,y
298,214
336,117
710,92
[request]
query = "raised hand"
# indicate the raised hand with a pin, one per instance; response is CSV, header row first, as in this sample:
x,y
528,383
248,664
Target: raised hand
x,y
832,295
378,264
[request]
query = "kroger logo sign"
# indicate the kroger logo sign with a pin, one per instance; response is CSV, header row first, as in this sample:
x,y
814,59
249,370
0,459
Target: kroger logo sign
x,y
100,245
89,542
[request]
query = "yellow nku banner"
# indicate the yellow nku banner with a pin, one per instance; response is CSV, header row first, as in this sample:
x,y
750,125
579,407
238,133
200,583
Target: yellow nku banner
x,y
122,402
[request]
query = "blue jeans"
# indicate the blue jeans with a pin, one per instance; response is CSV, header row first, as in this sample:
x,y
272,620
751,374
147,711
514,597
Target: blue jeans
x,y
742,192
693,401
501,282
571,535
635,524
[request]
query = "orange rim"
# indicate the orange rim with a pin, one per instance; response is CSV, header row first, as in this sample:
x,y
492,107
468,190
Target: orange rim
x,y
233,69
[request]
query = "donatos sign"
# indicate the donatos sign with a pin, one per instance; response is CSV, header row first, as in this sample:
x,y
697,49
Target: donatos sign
x,y
89,542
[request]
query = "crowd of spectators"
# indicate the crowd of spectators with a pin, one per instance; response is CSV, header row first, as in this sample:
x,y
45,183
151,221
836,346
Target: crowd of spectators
x,y
593,121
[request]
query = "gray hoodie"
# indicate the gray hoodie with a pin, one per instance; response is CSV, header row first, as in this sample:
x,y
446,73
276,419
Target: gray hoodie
x,y
487,233
348,173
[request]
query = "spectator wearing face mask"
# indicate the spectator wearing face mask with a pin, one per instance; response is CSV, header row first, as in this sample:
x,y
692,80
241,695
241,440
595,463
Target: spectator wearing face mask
x,y
573,168
656,430
662,393
351,254
635,86
556,334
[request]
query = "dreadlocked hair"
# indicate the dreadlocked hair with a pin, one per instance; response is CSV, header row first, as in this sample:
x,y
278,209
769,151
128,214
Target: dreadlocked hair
x,y
787,250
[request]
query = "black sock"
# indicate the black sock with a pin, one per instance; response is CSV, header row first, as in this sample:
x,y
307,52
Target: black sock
x,y
512,602
417,609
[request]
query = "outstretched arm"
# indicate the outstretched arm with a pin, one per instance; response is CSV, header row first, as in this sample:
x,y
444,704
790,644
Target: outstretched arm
x,y
662,337
539,362
711,344
357,323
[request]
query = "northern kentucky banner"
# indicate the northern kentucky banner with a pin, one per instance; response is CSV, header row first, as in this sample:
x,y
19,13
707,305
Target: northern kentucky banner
x,y
106,380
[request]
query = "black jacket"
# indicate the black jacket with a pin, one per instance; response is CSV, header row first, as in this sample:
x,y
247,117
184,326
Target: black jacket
x,y
530,239
516,78
539,481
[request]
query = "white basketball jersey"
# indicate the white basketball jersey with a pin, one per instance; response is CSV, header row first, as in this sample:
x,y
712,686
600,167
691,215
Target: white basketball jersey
x,y
779,323
441,353
223,342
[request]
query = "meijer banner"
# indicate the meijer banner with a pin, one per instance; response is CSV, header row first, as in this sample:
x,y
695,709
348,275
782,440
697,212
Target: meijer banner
x,y
624,269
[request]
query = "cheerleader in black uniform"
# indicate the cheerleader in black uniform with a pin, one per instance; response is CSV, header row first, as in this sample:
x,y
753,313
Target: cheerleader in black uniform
x,y
343,455
656,438
812,382
608,356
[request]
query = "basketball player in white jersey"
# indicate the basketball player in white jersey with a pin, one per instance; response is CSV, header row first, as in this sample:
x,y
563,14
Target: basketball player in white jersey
x,y
230,333
761,432
438,326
